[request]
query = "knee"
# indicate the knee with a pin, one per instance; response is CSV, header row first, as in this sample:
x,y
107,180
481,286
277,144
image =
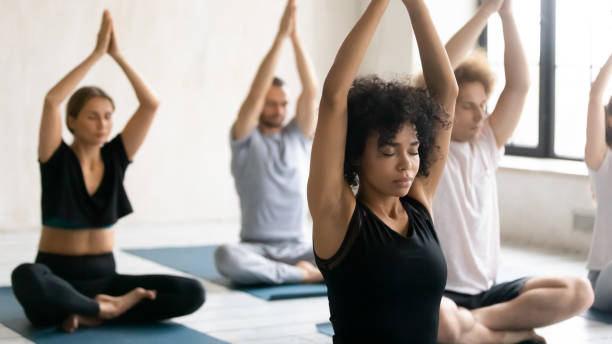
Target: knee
x,y
580,292
449,325
24,273
26,279
227,260
198,294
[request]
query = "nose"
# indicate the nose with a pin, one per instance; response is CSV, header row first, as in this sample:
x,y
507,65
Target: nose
x,y
479,114
404,162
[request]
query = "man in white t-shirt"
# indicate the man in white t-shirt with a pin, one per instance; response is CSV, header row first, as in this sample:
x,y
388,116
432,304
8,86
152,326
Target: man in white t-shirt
x,y
465,207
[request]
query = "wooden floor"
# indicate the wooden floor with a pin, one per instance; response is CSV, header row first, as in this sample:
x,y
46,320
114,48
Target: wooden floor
x,y
237,317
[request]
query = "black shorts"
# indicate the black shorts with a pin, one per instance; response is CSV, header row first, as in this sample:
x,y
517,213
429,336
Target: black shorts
x,y
498,293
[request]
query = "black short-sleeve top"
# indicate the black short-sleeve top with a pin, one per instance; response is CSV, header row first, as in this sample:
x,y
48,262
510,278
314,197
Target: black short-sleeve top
x,y
384,287
65,201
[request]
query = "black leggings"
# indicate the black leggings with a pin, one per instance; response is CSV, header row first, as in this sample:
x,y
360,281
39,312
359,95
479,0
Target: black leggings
x,y
57,286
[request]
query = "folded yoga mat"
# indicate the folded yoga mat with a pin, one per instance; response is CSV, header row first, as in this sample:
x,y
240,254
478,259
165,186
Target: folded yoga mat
x,y
325,328
200,261
593,314
12,316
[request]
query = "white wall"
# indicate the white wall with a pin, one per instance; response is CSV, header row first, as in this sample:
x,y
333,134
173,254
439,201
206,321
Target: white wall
x,y
200,57
537,208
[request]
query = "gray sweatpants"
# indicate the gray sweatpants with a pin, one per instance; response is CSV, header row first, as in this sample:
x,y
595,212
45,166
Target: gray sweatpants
x,y
601,280
263,263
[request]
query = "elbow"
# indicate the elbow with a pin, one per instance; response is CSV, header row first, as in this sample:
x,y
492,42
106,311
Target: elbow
x,y
521,85
525,85
596,94
333,97
151,104
451,93
52,100
310,93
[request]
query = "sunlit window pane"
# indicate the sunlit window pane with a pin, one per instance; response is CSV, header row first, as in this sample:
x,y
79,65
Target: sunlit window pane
x,y
527,14
584,33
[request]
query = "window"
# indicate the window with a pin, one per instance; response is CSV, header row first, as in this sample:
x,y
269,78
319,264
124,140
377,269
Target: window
x,y
566,43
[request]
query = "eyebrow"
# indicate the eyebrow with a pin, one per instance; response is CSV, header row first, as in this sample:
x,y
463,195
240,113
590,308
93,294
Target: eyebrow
x,y
395,144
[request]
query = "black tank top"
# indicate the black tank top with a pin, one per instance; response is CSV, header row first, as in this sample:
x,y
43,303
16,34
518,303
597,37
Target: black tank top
x,y
384,287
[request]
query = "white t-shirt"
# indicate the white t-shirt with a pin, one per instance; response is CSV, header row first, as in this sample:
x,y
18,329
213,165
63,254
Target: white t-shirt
x,y
466,214
601,247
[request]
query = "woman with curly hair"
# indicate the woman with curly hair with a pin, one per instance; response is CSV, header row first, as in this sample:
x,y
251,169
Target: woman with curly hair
x,y
598,157
73,282
377,249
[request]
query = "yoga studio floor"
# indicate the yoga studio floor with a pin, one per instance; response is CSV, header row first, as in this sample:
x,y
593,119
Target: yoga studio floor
x,y
238,317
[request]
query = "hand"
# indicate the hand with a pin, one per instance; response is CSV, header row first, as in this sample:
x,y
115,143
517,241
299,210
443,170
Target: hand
x,y
113,48
287,24
492,6
506,8
104,35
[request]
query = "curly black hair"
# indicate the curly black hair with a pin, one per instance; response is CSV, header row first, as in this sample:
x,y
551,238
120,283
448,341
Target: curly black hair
x,y
375,105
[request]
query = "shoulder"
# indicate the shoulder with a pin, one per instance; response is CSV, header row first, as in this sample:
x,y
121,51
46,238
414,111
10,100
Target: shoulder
x,y
59,156
416,208
115,151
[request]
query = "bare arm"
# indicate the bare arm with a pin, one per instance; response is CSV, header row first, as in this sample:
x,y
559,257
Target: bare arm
x,y
596,146
442,86
50,134
253,105
462,42
509,107
137,127
306,110
330,198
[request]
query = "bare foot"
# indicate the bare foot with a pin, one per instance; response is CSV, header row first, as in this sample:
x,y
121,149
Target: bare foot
x,y
70,324
310,272
73,322
113,306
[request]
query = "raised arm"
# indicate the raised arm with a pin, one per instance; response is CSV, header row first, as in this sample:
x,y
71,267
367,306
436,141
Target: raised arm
x,y
330,198
248,116
596,146
462,42
137,127
50,134
306,109
442,86
509,107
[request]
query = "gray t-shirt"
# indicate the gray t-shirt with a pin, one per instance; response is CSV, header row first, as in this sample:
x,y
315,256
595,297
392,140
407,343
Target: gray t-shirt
x,y
270,173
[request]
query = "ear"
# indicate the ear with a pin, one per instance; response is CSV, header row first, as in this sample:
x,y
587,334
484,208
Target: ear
x,y
70,123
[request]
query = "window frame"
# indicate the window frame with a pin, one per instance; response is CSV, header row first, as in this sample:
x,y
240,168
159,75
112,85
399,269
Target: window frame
x,y
547,98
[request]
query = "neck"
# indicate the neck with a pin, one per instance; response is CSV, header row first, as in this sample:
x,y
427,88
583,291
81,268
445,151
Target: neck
x,y
87,153
381,205
268,130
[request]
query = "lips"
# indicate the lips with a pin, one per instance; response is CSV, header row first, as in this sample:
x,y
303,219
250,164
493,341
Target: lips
x,y
403,182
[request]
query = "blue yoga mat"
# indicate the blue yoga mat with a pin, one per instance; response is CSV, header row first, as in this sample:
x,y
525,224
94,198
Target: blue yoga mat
x,y
12,316
200,261
325,328
596,315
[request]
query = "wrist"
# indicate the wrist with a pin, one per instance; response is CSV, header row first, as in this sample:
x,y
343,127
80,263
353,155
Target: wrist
x,y
116,56
96,55
281,36
488,9
506,14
